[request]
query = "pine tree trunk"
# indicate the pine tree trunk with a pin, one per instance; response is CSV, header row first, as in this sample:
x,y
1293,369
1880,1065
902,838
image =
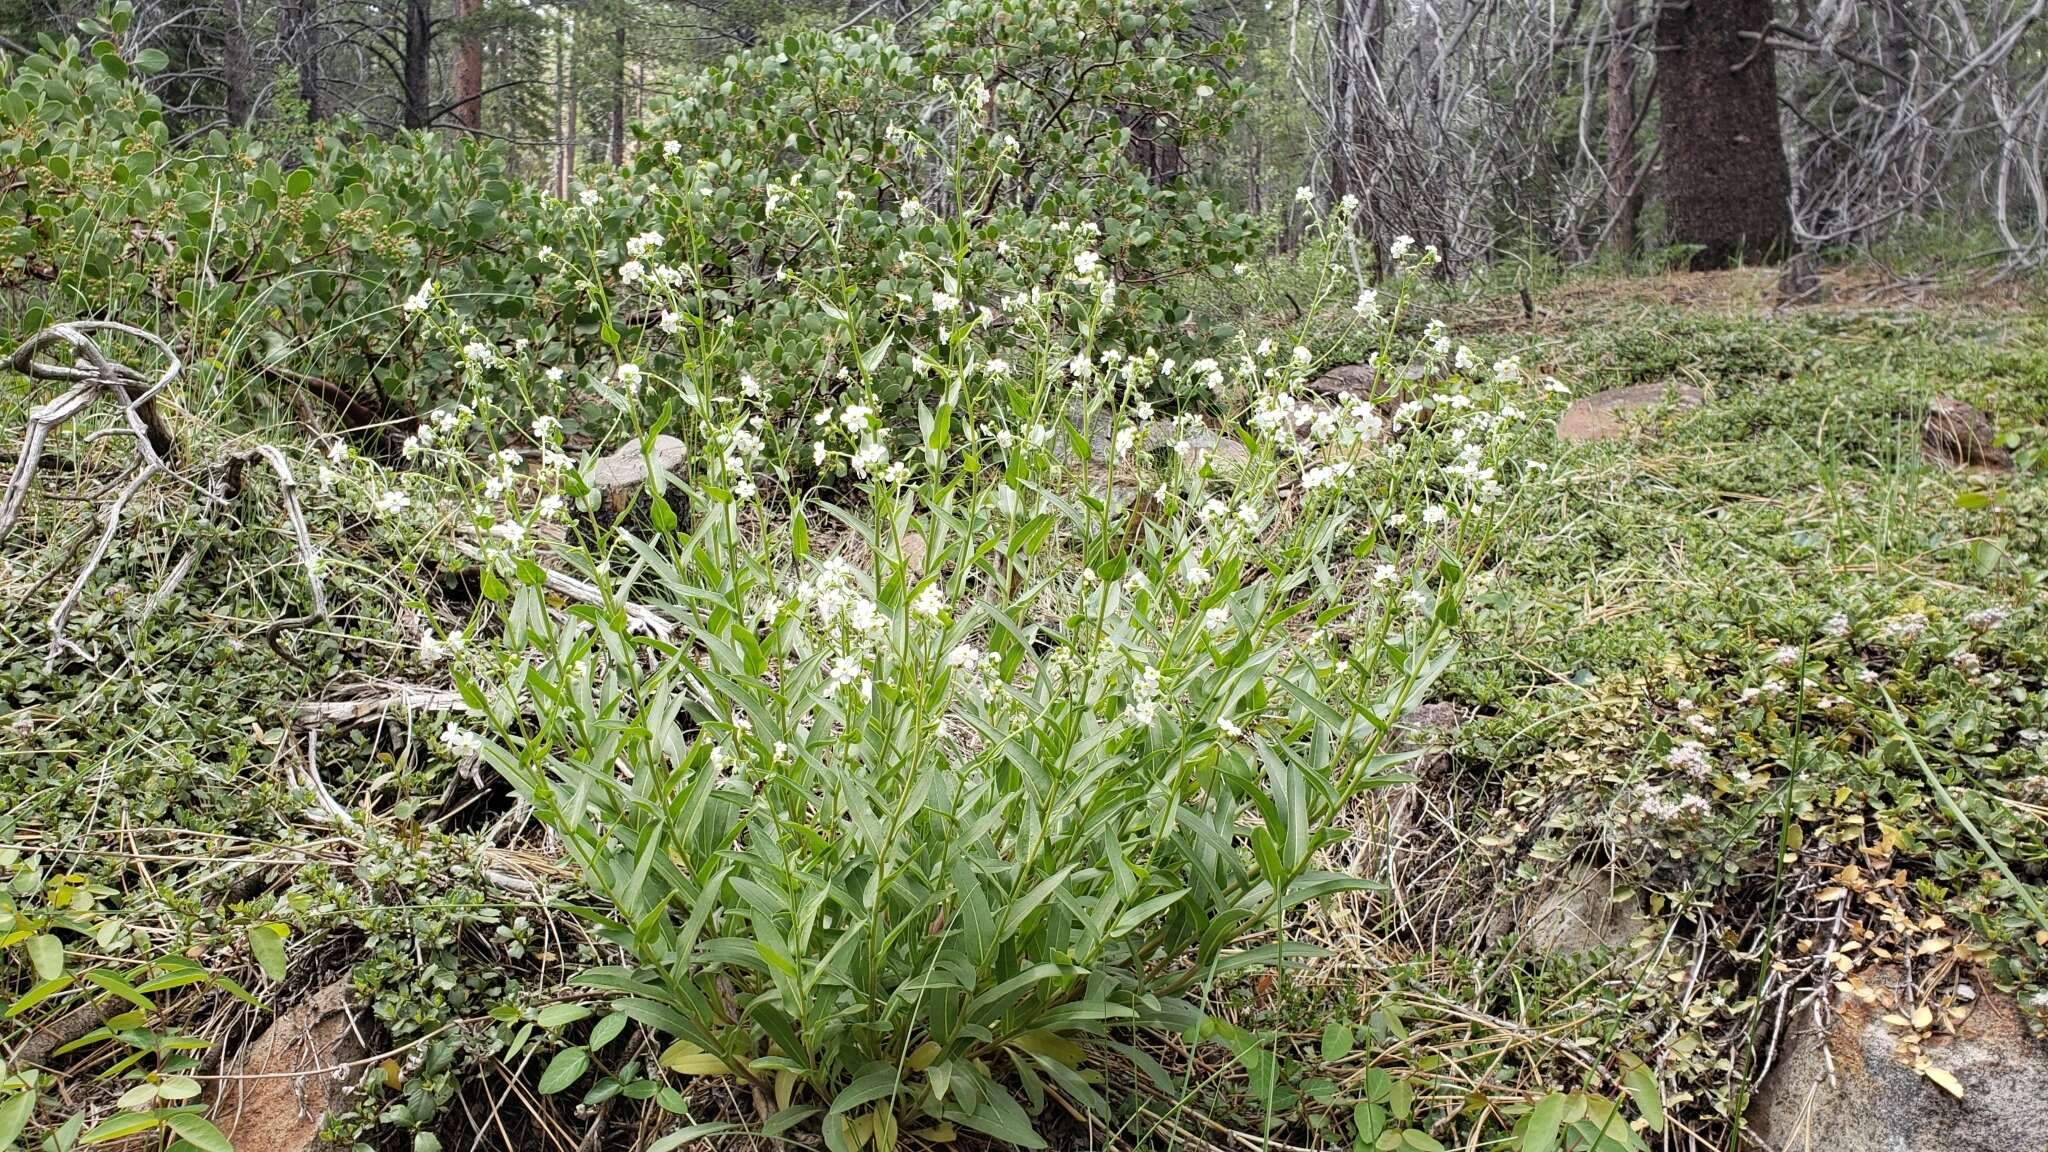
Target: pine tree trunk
x,y
565,120
1622,198
419,46
618,141
1726,184
299,29
469,67
238,65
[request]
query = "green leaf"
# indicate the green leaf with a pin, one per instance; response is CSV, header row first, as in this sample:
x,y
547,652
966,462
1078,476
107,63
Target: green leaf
x,y
299,182
689,1135
266,941
198,1131
558,1015
1337,1041
565,1069
46,953
116,1127
1540,1135
878,1081
1640,1080
35,996
1420,1141
15,1112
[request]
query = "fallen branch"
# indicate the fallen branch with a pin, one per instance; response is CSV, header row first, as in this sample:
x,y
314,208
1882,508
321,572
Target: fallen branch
x,y
639,617
405,698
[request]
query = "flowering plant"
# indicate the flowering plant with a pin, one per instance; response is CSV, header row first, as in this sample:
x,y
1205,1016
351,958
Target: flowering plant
x,y
929,796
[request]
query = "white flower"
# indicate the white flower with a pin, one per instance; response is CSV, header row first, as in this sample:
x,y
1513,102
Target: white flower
x,y
1400,248
480,353
1690,757
1836,626
1304,195
930,602
418,301
461,741
872,455
1085,263
1126,436
554,375
1302,355
1368,306
856,418
391,501
945,301
1434,514
631,271
629,375
1985,619
1195,575
671,322
1384,573
671,147
910,208
1080,367
589,197
510,531
434,650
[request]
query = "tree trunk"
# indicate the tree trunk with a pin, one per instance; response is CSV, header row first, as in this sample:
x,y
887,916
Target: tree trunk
x,y
469,67
238,65
1623,200
299,28
565,121
1726,185
618,154
419,60
571,127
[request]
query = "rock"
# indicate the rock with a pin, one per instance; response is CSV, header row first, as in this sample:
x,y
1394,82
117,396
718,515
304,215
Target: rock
x,y
1960,436
1605,415
1578,912
1430,726
272,1113
1872,1102
619,477
1362,381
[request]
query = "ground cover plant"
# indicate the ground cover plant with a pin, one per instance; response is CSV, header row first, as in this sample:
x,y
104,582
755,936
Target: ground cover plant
x,y
1017,694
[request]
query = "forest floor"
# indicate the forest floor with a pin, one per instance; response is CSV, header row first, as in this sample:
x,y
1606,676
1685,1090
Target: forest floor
x,y
1724,602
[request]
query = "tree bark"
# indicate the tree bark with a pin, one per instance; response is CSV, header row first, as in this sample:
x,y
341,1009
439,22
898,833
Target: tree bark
x,y
419,61
238,65
1726,183
565,120
618,142
1623,200
299,29
469,67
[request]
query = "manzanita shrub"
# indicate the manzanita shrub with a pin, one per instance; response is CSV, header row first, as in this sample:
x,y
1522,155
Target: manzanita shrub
x,y
997,140
923,178
252,254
